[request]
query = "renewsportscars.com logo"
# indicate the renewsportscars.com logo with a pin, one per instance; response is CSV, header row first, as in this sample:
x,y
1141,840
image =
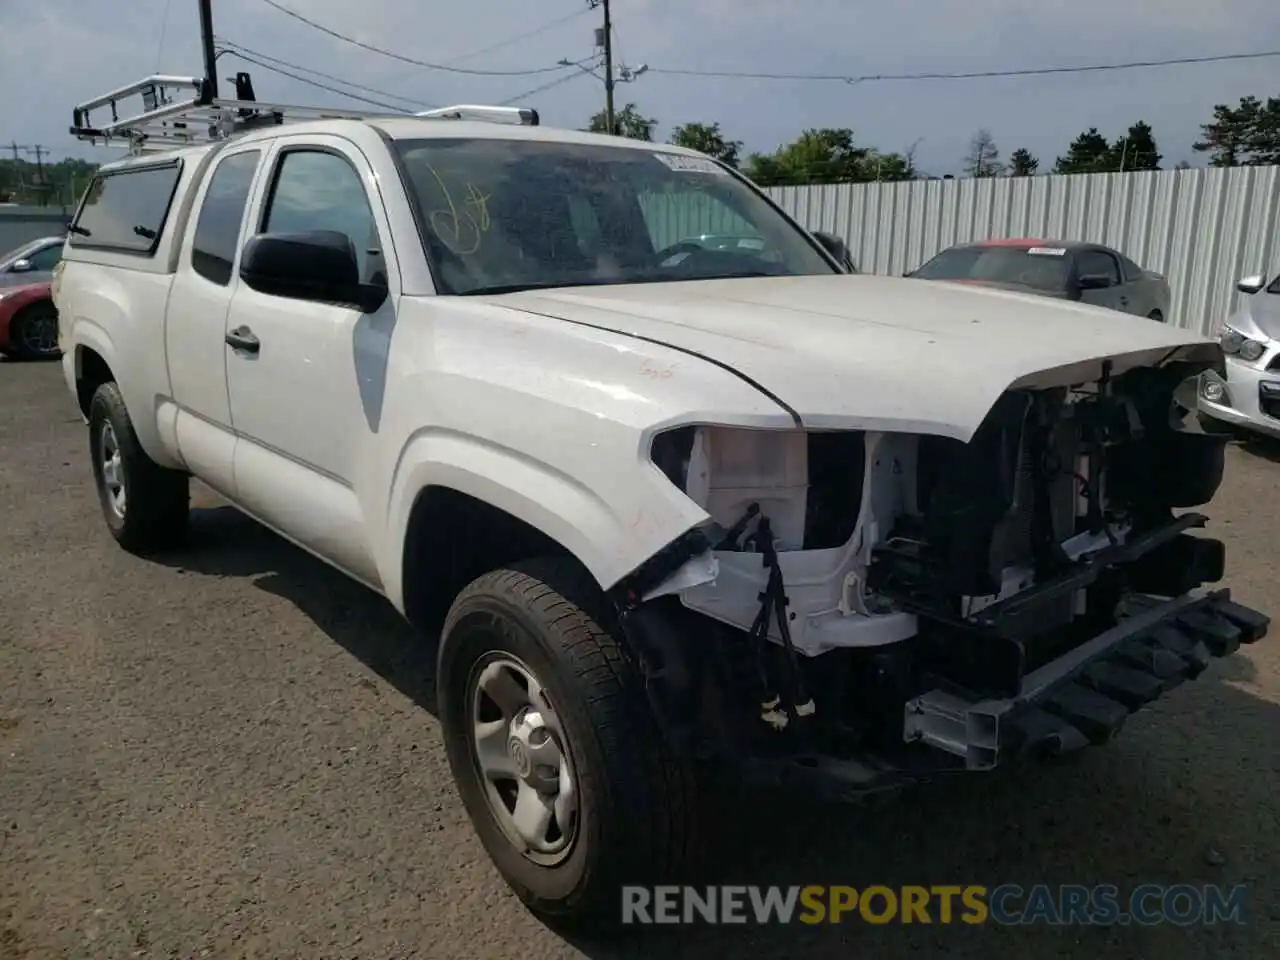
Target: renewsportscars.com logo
x,y
1008,905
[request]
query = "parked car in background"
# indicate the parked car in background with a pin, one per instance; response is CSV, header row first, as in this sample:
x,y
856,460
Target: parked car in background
x,y
32,262
28,322
1249,397
1087,272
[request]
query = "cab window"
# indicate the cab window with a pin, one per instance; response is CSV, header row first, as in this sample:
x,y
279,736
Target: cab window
x,y
213,251
318,190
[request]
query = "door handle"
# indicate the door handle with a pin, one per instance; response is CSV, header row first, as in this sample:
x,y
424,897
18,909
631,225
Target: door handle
x,y
242,338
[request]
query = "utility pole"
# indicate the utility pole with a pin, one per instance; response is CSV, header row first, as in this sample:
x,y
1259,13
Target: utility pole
x,y
206,45
606,42
42,188
15,148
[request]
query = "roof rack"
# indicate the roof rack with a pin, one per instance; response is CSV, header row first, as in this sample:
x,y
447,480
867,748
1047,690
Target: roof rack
x,y
178,112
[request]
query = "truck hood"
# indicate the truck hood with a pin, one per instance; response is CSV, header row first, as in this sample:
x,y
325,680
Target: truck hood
x,y
872,352
1014,287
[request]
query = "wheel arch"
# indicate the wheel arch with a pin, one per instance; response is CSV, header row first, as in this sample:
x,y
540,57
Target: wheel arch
x,y
610,529
92,371
451,538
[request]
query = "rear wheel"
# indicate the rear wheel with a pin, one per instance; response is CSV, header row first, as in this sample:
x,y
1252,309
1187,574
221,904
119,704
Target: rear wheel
x,y
555,752
145,505
33,332
1156,315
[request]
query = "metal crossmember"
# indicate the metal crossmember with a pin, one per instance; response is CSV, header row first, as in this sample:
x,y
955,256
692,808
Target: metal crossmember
x,y
176,112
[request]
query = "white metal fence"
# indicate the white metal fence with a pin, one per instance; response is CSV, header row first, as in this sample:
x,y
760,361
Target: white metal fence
x,y
1203,229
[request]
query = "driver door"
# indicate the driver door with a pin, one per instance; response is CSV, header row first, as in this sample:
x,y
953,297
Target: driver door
x,y
305,377
1099,263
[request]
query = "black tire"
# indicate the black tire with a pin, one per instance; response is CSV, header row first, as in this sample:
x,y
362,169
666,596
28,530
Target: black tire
x,y
1156,315
156,501
636,807
33,332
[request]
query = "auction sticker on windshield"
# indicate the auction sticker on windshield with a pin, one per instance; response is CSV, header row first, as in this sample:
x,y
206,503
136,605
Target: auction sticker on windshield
x,y
1048,251
683,164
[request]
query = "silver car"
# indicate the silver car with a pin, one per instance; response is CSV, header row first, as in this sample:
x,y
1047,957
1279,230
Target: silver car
x,y
1249,397
1085,272
32,262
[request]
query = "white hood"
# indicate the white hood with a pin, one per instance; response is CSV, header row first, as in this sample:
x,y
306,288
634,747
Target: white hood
x,y
875,353
1259,314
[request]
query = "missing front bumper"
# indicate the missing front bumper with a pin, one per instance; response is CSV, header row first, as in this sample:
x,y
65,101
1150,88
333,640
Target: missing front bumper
x,y
1084,696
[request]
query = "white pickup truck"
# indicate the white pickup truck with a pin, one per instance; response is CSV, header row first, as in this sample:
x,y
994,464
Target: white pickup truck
x,y
667,506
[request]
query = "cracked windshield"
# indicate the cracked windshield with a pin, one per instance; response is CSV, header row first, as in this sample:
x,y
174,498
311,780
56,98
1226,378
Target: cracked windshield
x,y
506,215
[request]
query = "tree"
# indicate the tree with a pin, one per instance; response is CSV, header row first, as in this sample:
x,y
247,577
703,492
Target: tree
x,y
627,122
1136,150
1088,153
58,184
983,158
1245,135
886,167
1022,163
827,155
707,138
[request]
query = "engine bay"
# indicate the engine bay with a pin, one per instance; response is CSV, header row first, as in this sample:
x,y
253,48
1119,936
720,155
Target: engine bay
x,y
964,563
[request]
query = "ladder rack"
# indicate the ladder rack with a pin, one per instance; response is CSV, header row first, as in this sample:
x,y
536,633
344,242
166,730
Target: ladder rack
x,y
177,112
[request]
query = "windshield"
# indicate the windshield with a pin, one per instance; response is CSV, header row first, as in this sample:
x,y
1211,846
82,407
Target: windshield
x,y
1020,265
502,215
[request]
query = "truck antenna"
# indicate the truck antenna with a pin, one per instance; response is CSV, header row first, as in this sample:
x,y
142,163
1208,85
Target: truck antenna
x,y
210,91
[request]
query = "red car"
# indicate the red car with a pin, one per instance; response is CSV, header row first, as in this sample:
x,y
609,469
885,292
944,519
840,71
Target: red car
x,y
28,322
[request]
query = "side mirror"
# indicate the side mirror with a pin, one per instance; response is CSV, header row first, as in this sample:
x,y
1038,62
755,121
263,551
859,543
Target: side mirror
x,y
1095,281
1251,285
21,266
318,265
836,247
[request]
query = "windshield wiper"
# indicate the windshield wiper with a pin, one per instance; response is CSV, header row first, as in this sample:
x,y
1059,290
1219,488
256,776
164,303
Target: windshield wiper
x,y
498,289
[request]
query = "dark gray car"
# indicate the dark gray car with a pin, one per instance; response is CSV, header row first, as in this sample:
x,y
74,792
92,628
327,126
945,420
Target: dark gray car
x,y
1086,272
32,262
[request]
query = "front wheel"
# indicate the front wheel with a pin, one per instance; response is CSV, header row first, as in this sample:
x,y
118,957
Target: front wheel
x,y
555,753
146,506
33,332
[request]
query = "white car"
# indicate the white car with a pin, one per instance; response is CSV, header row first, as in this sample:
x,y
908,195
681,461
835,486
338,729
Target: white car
x,y
666,508
1247,397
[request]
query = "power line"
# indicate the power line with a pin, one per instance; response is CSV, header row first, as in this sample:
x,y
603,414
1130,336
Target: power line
x,y
536,31
316,83
581,71
976,75
235,49
164,32
400,56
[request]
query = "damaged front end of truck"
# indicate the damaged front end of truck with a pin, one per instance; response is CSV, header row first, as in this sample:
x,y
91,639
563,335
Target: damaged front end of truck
x,y
864,609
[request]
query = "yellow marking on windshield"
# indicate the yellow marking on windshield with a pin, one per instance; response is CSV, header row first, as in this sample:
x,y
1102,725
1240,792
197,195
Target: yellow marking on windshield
x,y
461,230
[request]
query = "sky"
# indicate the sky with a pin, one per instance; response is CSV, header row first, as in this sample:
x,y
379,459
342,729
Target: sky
x,y
58,52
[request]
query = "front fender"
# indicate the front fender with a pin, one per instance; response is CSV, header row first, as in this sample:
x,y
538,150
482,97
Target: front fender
x,y
611,532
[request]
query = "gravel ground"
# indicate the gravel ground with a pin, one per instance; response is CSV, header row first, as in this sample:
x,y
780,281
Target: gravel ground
x,y
232,754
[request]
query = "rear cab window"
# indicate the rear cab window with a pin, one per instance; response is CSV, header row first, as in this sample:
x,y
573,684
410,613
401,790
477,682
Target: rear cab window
x,y
125,210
